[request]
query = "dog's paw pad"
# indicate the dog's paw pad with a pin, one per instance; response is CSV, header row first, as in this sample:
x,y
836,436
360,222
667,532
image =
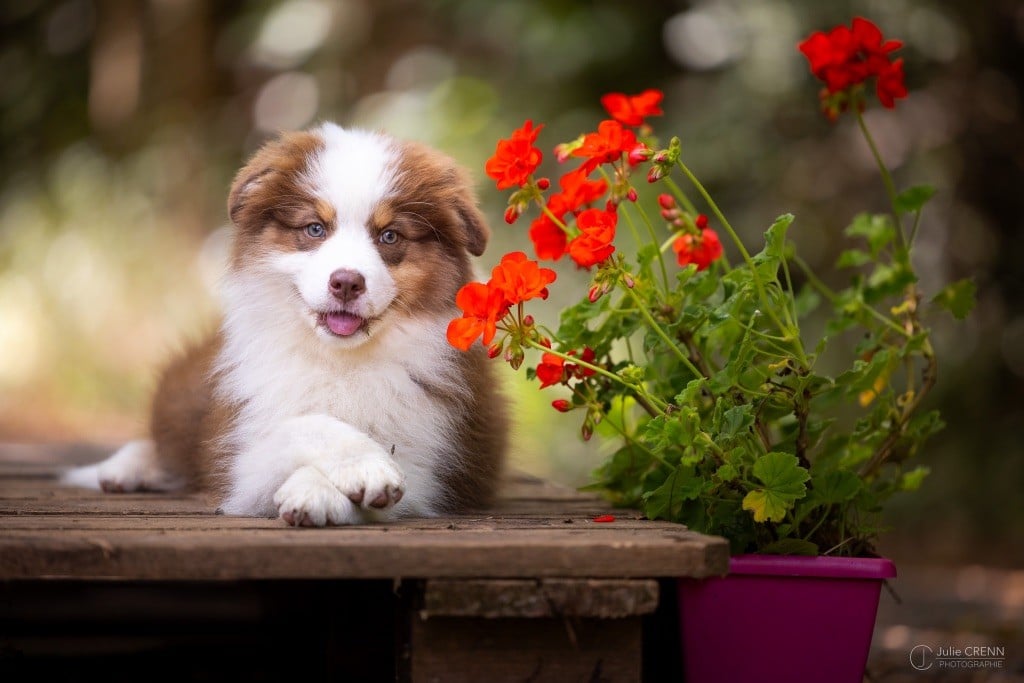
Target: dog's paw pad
x,y
112,486
307,499
374,482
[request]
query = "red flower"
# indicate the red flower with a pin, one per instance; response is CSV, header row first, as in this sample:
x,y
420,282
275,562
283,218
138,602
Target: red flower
x,y
890,84
555,370
604,519
515,159
482,306
847,56
548,238
576,192
519,279
630,110
578,371
550,370
607,145
702,250
594,243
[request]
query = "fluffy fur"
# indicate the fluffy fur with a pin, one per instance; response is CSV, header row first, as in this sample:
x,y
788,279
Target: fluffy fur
x,y
330,394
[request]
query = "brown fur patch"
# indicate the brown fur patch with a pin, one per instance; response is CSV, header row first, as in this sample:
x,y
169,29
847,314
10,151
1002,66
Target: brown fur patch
x,y
269,202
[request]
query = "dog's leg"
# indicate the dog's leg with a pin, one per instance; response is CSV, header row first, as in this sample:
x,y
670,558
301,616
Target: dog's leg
x,y
134,467
315,470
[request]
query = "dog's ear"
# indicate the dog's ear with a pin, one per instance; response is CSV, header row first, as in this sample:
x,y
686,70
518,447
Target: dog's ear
x,y
245,183
477,233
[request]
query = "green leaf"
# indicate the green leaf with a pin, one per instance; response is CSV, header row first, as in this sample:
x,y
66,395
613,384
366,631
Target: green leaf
x,y
770,258
862,376
666,501
727,472
888,280
957,298
775,236
836,487
790,546
913,198
783,479
807,300
852,258
737,420
877,229
911,481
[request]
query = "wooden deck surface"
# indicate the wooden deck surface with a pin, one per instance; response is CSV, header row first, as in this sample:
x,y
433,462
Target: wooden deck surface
x,y
535,530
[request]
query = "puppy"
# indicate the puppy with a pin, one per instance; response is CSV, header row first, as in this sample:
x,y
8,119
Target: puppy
x,y
330,394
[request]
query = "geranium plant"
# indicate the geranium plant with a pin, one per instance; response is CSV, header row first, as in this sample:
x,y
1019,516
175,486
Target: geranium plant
x,y
726,414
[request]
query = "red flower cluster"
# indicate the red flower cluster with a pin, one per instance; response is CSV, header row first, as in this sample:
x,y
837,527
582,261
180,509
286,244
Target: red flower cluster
x,y
594,243
514,280
848,56
555,370
515,159
702,249
550,239
606,146
590,242
630,110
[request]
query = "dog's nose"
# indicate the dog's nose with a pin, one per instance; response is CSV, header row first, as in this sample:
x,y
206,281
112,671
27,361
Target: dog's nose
x,y
346,285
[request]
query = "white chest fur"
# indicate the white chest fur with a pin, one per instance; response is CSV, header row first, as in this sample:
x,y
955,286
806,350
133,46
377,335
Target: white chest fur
x,y
276,367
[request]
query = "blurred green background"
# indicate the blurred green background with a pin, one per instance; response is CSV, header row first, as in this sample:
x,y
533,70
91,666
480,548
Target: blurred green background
x,y
122,123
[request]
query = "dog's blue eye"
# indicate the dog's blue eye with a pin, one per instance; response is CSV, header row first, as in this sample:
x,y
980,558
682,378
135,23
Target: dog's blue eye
x,y
388,237
315,230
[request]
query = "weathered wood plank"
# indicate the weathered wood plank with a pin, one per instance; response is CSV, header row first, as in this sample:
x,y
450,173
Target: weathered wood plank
x,y
544,598
356,553
516,650
535,529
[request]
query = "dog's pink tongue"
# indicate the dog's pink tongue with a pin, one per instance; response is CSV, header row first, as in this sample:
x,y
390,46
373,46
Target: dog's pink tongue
x,y
343,324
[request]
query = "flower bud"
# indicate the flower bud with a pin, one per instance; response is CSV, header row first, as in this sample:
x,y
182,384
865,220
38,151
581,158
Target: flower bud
x,y
528,321
655,174
701,221
632,195
661,157
666,201
495,350
627,280
595,293
511,214
561,405
670,215
639,154
543,184
515,356
587,430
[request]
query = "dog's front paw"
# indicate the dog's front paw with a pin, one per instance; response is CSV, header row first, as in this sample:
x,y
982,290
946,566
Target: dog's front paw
x,y
306,498
372,481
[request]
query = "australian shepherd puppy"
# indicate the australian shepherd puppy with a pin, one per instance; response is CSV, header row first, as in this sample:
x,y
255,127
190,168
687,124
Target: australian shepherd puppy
x,y
330,394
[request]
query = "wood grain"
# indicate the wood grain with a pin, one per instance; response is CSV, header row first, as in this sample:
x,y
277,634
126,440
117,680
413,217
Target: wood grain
x,y
535,530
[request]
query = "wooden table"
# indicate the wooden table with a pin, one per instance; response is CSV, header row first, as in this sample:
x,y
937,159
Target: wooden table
x,y
531,589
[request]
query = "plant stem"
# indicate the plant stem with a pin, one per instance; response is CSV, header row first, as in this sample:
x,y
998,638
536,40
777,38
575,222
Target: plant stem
x,y
648,401
831,296
628,438
680,196
653,324
890,186
913,229
761,291
654,241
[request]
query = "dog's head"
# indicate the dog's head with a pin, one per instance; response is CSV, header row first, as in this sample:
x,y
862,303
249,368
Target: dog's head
x,y
360,227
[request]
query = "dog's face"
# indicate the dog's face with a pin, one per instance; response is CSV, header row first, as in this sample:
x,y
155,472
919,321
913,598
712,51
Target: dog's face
x,y
360,228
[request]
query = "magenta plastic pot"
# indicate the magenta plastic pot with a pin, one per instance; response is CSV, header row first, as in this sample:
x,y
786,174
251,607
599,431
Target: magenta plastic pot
x,y
781,618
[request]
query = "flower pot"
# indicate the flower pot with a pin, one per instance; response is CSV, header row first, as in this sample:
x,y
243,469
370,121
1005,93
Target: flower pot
x,y
782,618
